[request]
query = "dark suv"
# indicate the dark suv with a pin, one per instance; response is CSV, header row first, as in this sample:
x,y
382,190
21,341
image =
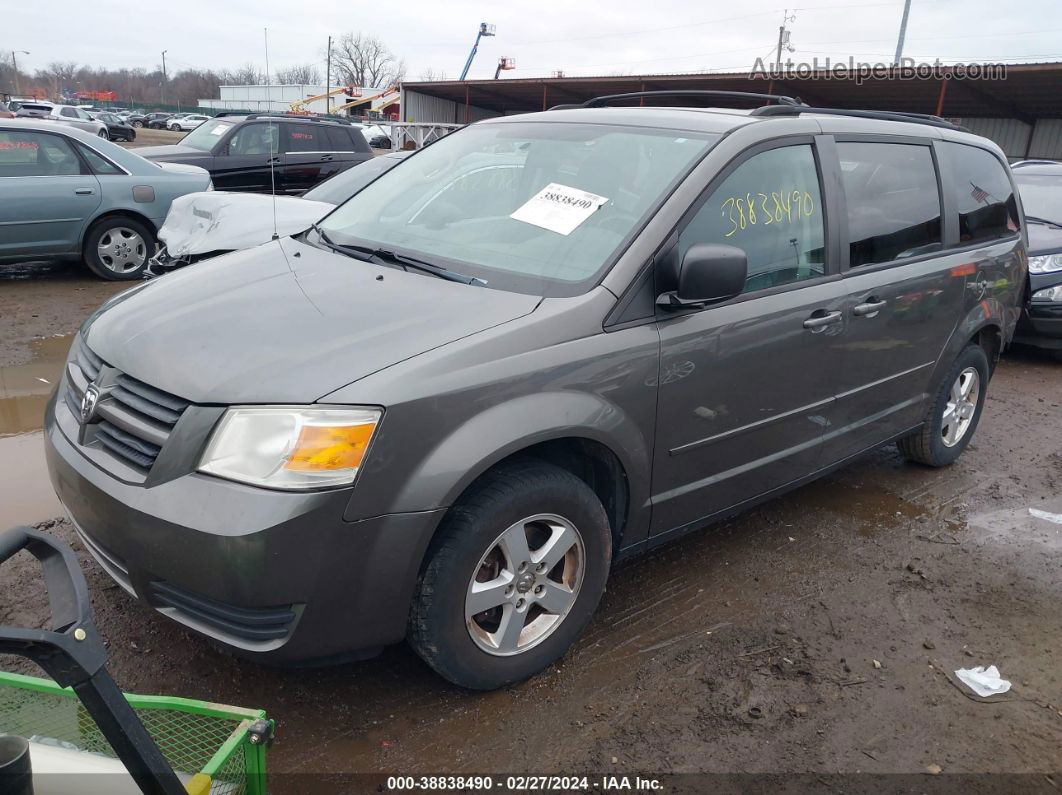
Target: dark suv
x,y
1040,184
253,153
539,345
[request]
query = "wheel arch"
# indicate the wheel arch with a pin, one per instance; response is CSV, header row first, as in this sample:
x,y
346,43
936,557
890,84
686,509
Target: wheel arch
x,y
116,213
580,432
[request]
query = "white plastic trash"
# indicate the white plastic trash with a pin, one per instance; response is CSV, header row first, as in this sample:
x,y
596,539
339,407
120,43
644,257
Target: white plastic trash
x,y
983,681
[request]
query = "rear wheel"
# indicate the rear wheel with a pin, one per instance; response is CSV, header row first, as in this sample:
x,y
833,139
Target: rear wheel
x,y
515,573
954,413
103,134
138,124
118,248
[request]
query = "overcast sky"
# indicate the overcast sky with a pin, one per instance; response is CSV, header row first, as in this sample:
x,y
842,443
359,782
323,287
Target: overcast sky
x,y
592,37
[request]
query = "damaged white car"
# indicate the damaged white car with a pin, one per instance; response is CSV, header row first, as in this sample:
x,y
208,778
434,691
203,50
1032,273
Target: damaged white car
x,y
203,225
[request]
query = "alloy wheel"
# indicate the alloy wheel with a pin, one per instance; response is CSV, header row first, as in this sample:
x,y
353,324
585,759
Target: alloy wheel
x,y
525,585
961,407
122,250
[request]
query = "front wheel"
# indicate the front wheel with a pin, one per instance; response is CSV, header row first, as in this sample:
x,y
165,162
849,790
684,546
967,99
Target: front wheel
x,y
954,413
516,571
138,124
104,134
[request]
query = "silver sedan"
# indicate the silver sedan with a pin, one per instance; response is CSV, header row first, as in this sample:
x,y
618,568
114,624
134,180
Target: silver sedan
x,y
68,194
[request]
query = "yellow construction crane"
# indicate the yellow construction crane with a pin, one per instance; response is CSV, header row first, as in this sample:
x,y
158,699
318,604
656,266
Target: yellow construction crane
x,y
351,91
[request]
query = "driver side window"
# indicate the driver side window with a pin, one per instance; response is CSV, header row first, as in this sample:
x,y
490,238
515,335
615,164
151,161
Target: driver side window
x,y
255,139
771,208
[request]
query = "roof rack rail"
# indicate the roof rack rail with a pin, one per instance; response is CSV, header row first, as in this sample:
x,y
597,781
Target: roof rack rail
x,y
884,115
300,116
1036,161
606,99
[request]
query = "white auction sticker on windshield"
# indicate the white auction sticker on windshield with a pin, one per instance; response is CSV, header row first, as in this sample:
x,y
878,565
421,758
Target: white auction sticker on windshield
x,y
559,208
219,129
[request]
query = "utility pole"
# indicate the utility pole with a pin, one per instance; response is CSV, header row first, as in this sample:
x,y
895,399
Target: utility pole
x,y
162,87
14,65
903,31
328,79
783,38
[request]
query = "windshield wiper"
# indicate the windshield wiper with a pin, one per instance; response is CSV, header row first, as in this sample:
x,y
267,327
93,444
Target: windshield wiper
x,y
1043,221
369,253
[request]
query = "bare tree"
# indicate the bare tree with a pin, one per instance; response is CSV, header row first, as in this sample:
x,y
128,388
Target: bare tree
x,y
246,75
364,60
430,75
299,75
63,71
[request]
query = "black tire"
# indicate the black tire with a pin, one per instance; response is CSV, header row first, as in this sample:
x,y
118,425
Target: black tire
x,y
138,124
927,446
437,626
104,134
90,251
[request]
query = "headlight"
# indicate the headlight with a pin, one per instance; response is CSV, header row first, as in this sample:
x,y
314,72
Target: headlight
x,y
1050,294
1051,262
290,447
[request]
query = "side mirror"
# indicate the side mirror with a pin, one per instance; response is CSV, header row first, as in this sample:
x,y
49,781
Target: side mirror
x,y
709,273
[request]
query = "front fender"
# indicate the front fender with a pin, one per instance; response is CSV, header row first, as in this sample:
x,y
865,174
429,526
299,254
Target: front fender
x,y
486,438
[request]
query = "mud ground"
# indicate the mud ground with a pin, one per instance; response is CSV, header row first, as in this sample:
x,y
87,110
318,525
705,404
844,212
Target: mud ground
x,y
816,634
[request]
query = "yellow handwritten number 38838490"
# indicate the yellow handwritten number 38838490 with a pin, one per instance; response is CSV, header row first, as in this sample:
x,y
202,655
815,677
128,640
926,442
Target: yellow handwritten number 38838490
x,y
776,208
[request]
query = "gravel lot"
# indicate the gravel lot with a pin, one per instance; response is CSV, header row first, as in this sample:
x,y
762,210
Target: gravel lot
x,y
817,634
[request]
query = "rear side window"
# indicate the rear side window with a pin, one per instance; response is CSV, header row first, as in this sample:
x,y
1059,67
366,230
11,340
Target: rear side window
x,y
771,208
98,163
338,140
304,138
892,199
983,193
36,154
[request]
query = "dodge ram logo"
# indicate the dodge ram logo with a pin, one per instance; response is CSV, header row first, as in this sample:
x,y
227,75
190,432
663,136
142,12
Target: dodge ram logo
x,y
88,403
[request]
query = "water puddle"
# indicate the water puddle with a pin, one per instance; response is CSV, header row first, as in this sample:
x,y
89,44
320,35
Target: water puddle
x,y
26,494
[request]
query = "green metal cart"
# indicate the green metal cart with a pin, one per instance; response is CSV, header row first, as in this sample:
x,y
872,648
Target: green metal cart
x,y
80,722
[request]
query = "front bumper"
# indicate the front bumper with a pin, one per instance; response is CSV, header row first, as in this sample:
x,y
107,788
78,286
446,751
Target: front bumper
x,y
1041,321
275,576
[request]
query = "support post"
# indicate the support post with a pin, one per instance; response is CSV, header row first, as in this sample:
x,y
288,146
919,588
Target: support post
x,y
468,110
940,97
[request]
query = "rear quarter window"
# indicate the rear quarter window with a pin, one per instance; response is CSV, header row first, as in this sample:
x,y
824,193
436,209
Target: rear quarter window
x,y
983,194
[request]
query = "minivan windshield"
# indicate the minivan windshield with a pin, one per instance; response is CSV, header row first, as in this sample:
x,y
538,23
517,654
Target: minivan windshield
x,y
206,135
531,207
1041,195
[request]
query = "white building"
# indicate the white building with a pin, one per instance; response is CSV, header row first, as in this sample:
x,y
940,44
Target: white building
x,y
278,99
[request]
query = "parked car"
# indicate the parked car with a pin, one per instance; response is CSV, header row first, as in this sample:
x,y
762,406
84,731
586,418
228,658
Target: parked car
x,y
379,137
63,114
5,111
204,225
443,413
117,130
1040,185
186,122
158,121
253,153
139,120
67,194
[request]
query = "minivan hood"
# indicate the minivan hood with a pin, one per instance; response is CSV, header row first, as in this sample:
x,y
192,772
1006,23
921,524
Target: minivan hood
x,y
286,323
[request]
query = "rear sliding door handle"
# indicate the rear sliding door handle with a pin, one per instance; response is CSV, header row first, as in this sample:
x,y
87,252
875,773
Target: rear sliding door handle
x,y
869,308
817,321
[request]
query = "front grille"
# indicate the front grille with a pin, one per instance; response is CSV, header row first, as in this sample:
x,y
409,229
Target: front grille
x,y
246,623
134,418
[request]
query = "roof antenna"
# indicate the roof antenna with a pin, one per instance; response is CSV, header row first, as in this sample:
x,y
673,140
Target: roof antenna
x,y
274,138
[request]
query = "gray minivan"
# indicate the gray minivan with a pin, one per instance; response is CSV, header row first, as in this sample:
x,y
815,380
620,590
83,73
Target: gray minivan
x,y
447,409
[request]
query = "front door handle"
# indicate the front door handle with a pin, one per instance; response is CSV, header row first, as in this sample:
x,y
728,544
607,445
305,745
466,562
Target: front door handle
x,y
869,308
326,157
84,191
273,160
817,321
